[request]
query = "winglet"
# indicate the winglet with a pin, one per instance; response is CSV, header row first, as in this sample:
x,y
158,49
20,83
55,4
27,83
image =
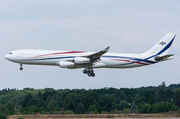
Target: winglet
x,y
106,49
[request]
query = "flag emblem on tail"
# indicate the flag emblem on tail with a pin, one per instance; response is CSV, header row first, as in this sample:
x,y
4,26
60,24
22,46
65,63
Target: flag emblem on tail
x,y
162,43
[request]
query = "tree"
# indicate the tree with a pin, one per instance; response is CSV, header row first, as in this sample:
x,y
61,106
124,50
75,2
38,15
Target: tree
x,y
19,98
106,103
158,107
96,112
122,95
27,100
3,100
71,101
139,100
20,109
151,109
152,100
92,108
129,98
52,104
10,107
177,97
92,98
161,93
48,92
2,108
49,98
33,109
3,116
137,96
34,101
126,111
123,104
133,106
42,110
170,93
55,97
39,94
143,109
80,109
7,112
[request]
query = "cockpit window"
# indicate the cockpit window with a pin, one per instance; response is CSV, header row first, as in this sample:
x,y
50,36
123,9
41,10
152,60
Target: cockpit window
x,y
10,53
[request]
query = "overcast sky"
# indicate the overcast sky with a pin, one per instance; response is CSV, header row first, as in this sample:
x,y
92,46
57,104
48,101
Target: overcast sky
x,y
127,26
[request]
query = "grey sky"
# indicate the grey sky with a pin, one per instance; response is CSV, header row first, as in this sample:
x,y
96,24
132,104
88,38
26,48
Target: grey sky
x,y
89,25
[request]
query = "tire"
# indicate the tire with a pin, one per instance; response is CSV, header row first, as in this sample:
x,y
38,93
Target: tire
x,y
21,68
89,74
85,71
93,74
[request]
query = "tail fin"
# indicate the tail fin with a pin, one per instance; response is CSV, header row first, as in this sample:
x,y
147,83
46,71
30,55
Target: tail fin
x,y
161,48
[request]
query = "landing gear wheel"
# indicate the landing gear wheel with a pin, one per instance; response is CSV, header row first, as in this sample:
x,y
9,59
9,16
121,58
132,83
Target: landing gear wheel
x,y
21,68
89,74
93,74
85,71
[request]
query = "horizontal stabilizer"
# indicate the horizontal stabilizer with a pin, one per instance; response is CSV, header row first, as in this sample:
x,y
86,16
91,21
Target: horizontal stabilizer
x,y
165,57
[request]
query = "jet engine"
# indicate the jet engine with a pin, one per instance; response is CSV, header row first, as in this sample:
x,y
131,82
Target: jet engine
x,y
81,60
66,64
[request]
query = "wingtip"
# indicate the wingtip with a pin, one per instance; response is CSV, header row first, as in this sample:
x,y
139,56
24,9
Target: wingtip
x,y
107,48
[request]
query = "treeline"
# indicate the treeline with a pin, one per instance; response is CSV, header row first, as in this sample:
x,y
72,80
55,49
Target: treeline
x,y
80,101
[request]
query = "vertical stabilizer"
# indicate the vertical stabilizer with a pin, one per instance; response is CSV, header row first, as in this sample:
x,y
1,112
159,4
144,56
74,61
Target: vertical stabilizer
x,y
160,48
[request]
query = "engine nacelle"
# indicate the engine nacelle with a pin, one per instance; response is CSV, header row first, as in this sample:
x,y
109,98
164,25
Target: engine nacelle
x,y
81,60
66,64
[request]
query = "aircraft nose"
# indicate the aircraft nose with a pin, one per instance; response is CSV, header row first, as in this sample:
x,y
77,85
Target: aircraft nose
x,y
6,56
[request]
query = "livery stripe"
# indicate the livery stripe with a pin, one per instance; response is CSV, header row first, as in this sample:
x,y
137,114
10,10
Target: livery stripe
x,y
49,58
131,58
129,61
70,52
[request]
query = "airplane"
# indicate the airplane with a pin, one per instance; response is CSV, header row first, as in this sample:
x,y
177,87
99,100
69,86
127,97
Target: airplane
x,y
91,60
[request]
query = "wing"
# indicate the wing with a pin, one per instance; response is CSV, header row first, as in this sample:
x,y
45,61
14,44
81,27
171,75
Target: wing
x,y
96,56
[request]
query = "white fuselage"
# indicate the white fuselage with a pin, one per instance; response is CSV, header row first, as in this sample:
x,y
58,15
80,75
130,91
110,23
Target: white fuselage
x,y
49,57
90,60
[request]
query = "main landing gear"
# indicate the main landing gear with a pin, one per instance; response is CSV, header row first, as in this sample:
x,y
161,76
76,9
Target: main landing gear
x,y
21,68
89,72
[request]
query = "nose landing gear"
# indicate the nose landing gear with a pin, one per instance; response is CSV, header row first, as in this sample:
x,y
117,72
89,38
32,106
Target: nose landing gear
x,y
89,72
21,68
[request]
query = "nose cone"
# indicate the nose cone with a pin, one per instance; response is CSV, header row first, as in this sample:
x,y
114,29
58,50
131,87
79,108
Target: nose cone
x,y
6,56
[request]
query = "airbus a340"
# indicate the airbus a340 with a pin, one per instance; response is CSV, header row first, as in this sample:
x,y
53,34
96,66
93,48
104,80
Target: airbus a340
x,y
90,60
